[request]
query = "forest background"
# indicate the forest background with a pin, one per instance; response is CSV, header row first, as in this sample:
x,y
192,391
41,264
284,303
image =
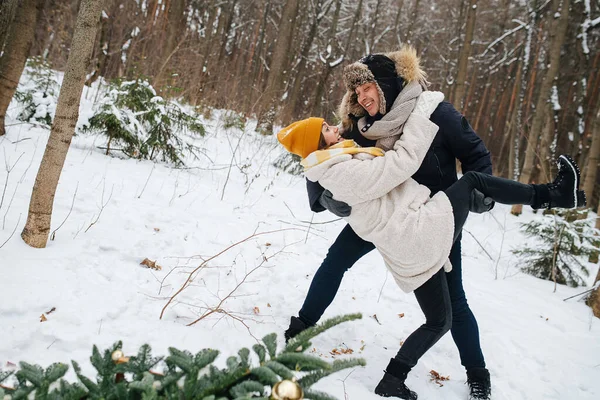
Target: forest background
x,y
524,73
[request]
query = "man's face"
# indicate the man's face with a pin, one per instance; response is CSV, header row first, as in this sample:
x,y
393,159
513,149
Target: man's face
x,y
368,97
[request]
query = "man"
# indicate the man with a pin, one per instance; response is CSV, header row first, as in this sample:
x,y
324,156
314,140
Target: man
x,y
380,86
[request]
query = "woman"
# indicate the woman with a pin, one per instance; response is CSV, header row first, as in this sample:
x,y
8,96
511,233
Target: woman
x,y
413,232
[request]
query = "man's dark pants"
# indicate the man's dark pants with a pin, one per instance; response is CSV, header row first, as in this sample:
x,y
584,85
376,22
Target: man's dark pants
x,y
349,248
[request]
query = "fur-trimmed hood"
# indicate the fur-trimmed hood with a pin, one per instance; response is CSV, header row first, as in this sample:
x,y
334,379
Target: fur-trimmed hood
x,y
406,64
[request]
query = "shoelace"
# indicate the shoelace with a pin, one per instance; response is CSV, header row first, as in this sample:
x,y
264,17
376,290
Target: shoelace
x,y
480,390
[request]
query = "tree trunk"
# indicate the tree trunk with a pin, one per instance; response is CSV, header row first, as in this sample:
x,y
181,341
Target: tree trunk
x,y
175,23
591,167
397,23
8,9
411,25
300,70
546,154
102,50
557,37
510,129
594,300
37,227
18,44
277,74
463,57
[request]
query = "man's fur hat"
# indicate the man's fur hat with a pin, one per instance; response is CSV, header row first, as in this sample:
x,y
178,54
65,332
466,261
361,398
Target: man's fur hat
x,y
378,68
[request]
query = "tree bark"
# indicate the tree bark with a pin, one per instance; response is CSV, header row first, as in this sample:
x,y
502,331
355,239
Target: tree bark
x,y
8,9
411,25
558,31
546,155
594,300
37,227
18,44
591,166
463,56
276,79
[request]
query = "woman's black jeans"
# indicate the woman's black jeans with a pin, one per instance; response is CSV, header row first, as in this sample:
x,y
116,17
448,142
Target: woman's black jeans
x,y
434,295
504,191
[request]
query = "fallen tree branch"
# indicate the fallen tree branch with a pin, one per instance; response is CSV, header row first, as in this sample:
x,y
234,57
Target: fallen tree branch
x,y
191,274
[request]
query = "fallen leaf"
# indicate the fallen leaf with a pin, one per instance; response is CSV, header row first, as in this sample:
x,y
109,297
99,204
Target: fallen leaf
x,y
156,229
268,304
401,315
151,264
339,352
267,244
256,310
437,378
43,318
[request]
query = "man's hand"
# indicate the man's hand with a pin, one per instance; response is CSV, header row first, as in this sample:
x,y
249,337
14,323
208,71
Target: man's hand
x,y
338,208
480,203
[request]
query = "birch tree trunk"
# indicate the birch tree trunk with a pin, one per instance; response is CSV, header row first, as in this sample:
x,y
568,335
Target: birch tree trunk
x,y
18,44
37,227
558,30
463,56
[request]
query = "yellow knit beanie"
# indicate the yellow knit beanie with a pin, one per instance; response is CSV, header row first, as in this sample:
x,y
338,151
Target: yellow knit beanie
x,y
302,137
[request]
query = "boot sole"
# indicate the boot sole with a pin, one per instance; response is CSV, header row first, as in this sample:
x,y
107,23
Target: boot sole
x,y
578,195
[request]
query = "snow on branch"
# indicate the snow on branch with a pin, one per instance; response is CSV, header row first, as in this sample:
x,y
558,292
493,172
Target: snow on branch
x,y
506,34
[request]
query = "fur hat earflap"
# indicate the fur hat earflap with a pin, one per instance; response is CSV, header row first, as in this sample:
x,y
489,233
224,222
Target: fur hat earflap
x,y
408,64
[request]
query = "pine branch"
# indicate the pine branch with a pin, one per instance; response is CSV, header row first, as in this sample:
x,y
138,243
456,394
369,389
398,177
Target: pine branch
x,y
300,342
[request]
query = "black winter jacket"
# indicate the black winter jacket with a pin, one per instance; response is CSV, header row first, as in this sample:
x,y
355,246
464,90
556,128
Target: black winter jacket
x,y
454,140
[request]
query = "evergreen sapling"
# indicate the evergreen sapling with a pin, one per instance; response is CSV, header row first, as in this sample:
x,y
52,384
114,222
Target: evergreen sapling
x,y
561,247
143,124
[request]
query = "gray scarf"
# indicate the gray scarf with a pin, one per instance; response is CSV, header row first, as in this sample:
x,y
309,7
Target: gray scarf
x,y
389,128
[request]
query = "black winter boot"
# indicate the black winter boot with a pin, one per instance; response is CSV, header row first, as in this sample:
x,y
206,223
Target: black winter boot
x,y
564,191
480,386
392,384
296,326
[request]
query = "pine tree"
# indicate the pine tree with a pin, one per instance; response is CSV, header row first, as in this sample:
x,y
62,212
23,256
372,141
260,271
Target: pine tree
x,y
562,246
143,124
185,375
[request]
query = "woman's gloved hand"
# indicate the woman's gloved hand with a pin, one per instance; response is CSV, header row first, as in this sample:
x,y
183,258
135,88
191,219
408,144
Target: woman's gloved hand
x,y
338,208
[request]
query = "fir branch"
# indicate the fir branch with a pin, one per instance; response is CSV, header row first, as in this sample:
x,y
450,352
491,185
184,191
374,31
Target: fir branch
x,y
300,342
338,365
315,395
302,362
280,369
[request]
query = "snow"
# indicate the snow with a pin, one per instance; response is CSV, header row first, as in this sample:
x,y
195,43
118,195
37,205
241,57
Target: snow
x,y
114,212
554,99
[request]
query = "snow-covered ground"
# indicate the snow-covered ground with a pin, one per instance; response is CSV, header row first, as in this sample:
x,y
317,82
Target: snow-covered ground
x,y
111,213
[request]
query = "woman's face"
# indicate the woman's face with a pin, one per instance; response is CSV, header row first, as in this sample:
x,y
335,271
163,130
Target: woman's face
x,y
331,134
368,97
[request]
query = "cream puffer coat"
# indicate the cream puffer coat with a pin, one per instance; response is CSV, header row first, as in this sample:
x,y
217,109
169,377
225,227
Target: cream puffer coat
x,y
412,231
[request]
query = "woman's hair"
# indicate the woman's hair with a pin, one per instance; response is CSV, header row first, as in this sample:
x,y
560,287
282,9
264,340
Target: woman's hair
x,y
322,142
